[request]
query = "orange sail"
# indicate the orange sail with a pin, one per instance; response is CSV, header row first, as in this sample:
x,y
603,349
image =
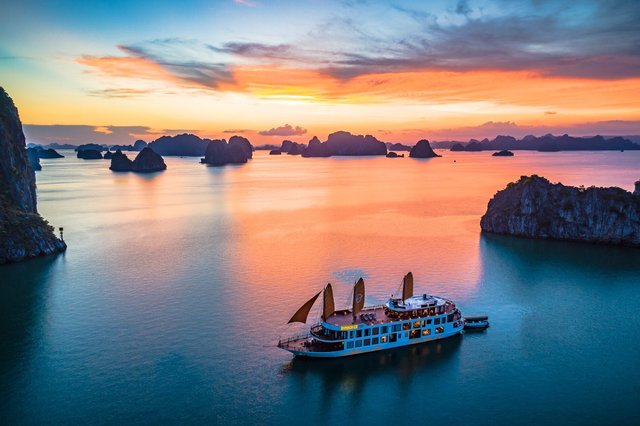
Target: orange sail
x,y
407,286
358,296
302,313
329,306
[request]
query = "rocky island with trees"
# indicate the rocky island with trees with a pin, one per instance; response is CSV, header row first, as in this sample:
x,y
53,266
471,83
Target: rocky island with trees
x,y
534,207
23,232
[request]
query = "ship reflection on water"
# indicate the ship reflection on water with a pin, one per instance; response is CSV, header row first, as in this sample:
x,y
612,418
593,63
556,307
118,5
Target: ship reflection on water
x,y
340,377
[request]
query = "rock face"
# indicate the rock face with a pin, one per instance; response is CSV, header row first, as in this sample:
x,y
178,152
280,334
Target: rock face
x,y
34,159
108,155
242,143
48,153
286,145
147,161
422,150
275,152
139,145
398,147
392,154
474,147
296,149
636,191
120,162
533,207
93,146
186,144
316,149
503,153
220,153
89,154
23,232
457,147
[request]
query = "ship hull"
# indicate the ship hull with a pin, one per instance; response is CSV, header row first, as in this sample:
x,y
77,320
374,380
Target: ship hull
x,y
301,352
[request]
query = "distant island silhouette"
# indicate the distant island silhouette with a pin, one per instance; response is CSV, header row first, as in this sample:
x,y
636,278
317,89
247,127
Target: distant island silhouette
x,y
546,143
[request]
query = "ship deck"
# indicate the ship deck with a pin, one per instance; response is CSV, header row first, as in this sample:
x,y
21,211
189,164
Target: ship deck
x,y
343,318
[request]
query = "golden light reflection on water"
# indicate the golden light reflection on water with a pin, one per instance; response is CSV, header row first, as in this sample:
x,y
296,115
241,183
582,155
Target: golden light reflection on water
x,y
283,226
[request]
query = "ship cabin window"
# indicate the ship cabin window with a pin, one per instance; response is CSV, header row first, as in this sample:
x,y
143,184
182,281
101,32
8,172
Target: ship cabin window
x,y
375,331
396,327
351,334
414,334
439,330
358,333
450,318
428,321
349,345
385,329
406,325
393,337
432,311
367,342
358,343
374,341
416,324
436,321
383,339
426,332
367,331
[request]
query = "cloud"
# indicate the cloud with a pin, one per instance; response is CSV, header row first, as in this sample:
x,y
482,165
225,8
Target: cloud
x,y
286,130
81,134
591,40
184,62
236,131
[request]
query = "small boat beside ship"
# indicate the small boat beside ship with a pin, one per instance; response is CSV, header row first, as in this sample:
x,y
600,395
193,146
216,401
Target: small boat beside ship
x,y
401,321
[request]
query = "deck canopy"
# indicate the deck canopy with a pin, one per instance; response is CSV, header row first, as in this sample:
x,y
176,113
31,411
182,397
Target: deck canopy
x,y
358,297
302,313
329,306
407,286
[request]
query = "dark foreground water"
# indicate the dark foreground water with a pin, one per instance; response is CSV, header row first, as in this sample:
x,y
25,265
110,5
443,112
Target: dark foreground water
x,y
176,286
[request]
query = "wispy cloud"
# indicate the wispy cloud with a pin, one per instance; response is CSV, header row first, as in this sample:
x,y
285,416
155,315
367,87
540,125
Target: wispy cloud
x,y
238,131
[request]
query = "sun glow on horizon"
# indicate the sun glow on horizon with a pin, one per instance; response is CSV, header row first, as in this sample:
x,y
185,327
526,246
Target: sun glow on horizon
x,y
408,79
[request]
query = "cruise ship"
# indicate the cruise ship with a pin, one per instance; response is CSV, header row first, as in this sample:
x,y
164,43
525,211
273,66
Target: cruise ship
x,y
407,320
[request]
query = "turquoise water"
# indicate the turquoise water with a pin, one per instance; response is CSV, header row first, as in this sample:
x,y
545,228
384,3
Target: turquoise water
x,y
176,287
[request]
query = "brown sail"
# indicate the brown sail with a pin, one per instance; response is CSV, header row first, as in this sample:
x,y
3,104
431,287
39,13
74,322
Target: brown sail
x,y
329,307
358,296
302,313
407,286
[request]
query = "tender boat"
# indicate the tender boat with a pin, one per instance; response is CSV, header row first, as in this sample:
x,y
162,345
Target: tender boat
x,y
399,322
479,322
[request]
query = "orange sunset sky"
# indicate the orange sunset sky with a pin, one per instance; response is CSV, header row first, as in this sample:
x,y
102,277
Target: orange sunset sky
x,y
114,72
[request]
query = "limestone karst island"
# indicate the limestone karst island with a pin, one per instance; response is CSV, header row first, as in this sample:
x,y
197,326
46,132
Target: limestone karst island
x,y
253,212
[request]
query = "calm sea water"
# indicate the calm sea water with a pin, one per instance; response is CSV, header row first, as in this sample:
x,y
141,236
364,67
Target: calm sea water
x,y
176,286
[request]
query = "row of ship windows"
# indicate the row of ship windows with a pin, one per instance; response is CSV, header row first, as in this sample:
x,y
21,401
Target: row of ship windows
x,y
394,328
414,334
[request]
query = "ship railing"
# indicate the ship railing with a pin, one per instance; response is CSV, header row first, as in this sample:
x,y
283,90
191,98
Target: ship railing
x,y
291,339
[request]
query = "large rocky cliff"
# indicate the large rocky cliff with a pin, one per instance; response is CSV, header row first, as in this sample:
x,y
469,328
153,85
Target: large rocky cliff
x,y
536,208
23,232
